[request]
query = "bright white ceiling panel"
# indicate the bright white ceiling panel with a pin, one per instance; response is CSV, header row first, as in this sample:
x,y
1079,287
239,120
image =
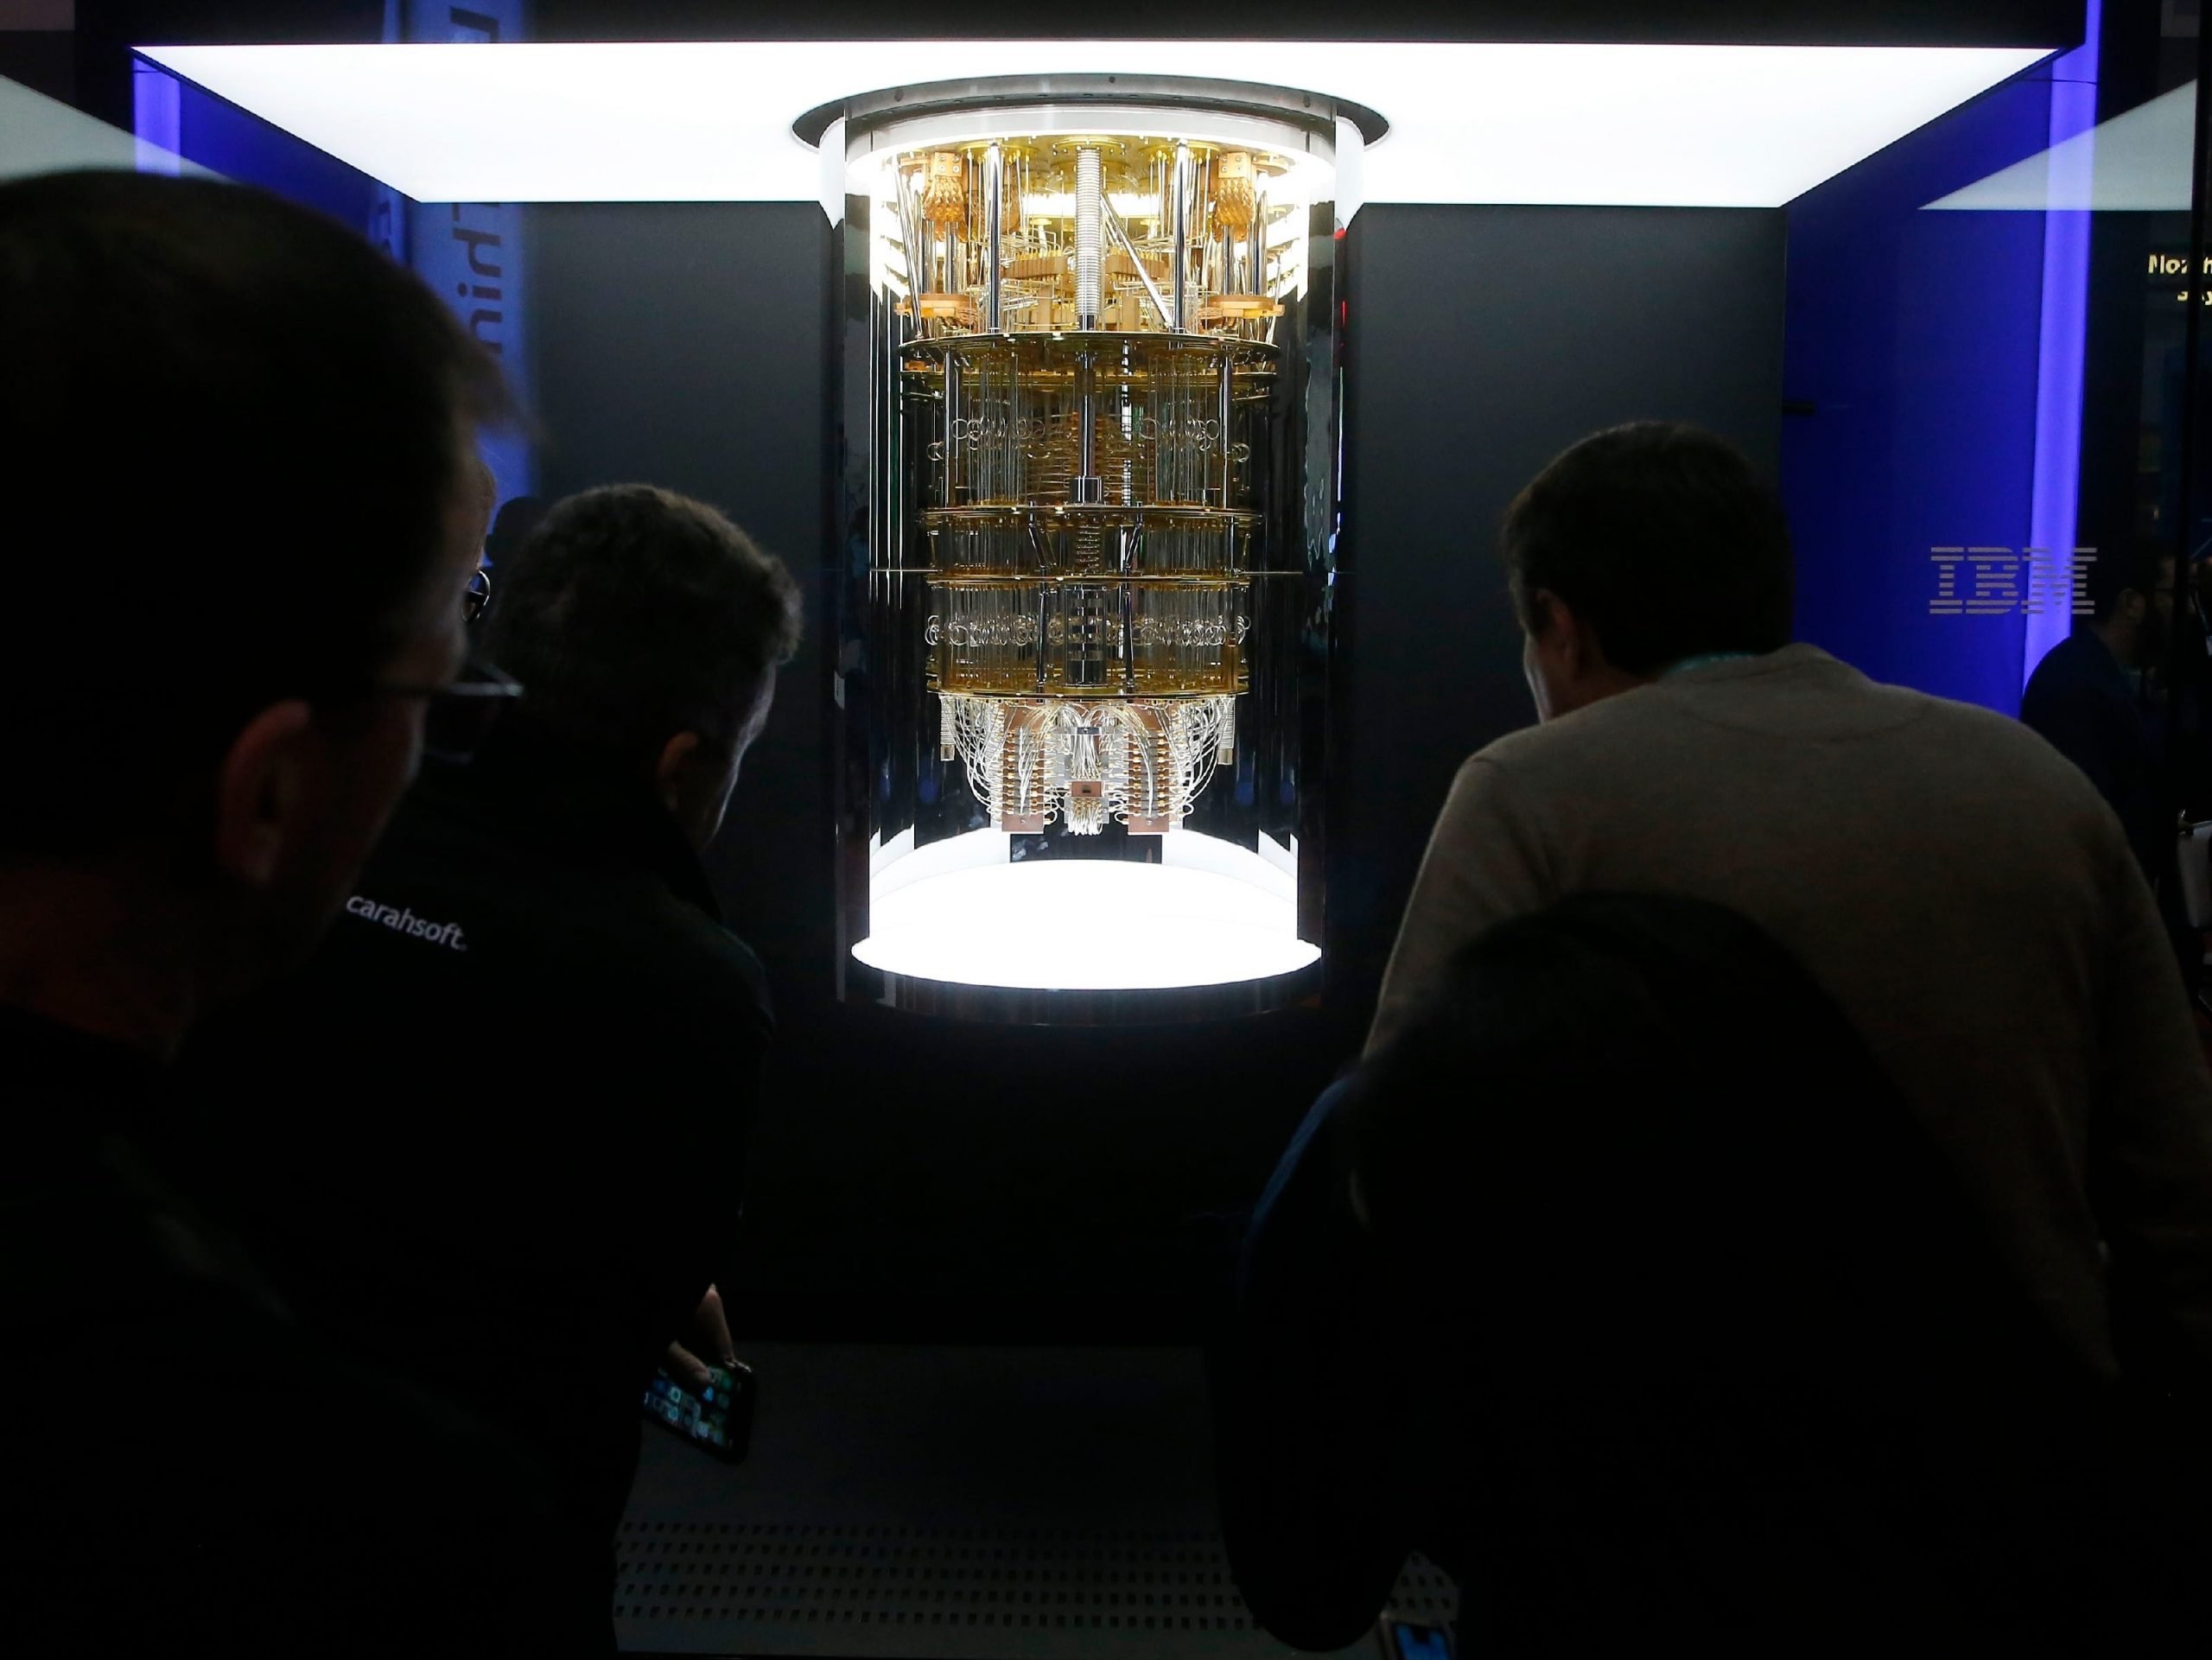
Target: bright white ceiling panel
x,y
691,121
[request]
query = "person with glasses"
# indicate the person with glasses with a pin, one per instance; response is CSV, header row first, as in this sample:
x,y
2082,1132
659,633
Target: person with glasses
x,y
485,501
510,527
530,1046
233,536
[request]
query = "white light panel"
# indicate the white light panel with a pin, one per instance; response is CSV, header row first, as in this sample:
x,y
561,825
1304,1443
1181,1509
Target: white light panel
x,y
1212,914
1722,126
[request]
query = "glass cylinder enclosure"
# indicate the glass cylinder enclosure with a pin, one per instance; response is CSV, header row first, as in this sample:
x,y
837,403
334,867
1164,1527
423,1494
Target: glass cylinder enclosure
x,y
1085,651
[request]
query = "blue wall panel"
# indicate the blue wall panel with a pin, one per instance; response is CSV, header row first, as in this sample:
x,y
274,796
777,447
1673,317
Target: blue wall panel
x,y
1911,367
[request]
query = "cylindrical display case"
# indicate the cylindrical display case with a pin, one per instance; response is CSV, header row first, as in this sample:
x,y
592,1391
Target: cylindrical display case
x,y
1090,435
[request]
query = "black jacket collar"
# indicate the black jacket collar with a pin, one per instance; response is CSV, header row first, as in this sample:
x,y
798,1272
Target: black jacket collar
x,y
572,800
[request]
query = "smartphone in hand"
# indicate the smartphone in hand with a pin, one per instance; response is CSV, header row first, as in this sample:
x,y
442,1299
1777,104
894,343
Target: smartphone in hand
x,y
717,1419
1403,1639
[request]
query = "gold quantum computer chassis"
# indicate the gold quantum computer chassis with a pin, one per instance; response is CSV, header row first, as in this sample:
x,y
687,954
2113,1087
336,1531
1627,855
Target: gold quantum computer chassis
x,y
1085,549
1091,314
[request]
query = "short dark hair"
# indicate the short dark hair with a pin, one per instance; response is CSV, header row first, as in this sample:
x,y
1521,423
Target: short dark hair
x,y
1662,539
228,439
2130,567
634,614
510,527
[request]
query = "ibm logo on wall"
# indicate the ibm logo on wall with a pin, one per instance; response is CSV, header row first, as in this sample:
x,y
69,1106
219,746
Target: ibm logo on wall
x,y
1999,582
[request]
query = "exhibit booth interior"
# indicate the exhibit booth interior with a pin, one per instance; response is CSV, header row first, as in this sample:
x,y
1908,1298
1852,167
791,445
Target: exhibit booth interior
x,y
1137,415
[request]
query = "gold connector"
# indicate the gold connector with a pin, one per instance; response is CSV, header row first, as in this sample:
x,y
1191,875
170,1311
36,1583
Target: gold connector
x,y
944,189
1236,191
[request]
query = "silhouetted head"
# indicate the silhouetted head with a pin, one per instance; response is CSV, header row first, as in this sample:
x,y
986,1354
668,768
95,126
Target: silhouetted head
x,y
236,508
649,627
516,517
2131,591
1638,548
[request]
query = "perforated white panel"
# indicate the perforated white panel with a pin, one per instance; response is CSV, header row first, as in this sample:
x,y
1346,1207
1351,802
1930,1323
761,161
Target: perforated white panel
x,y
947,1593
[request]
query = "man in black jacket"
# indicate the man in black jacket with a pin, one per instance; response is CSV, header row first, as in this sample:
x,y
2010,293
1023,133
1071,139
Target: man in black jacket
x,y
530,1046
1624,1286
213,681
2083,697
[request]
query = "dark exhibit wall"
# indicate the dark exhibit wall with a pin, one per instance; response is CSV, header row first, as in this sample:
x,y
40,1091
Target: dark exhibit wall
x,y
1999,22
1482,341
915,1177
686,346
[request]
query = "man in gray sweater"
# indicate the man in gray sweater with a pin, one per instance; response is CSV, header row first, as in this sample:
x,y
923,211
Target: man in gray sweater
x,y
1952,881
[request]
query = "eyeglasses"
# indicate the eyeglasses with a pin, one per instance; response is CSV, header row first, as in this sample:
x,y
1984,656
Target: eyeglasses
x,y
477,596
460,716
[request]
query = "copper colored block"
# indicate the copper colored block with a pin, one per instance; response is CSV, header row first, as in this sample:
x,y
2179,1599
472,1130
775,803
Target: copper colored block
x,y
1118,263
958,308
1239,307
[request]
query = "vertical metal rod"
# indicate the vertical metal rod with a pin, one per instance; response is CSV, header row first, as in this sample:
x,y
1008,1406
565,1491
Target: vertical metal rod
x,y
1129,639
1227,370
1131,540
1089,255
951,425
1181,262
887,417
915,248
1043,590
1087,486
1260,245
1262,328
994,191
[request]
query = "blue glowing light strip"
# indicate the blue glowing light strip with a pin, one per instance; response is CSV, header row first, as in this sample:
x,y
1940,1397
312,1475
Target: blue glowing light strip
x,y
2053,508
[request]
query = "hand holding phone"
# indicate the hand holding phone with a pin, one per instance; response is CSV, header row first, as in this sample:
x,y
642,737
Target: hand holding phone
x,y
715,1416
1402,1639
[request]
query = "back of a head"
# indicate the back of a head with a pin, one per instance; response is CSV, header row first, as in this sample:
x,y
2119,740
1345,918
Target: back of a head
x,y
2130,564
1704,1264
633,615
1662,539
1598,1078
230,431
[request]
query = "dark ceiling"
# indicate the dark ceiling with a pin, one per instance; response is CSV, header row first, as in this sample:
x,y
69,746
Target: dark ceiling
x,y
2018,23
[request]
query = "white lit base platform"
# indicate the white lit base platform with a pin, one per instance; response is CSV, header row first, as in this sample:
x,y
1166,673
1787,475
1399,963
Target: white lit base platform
x,y
959,912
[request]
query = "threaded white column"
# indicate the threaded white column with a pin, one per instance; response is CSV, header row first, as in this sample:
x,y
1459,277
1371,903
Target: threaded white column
x,y
1090,236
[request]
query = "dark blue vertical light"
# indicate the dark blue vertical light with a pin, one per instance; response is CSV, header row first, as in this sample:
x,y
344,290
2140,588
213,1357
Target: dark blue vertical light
x,y
2062,338
474,255
156,116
